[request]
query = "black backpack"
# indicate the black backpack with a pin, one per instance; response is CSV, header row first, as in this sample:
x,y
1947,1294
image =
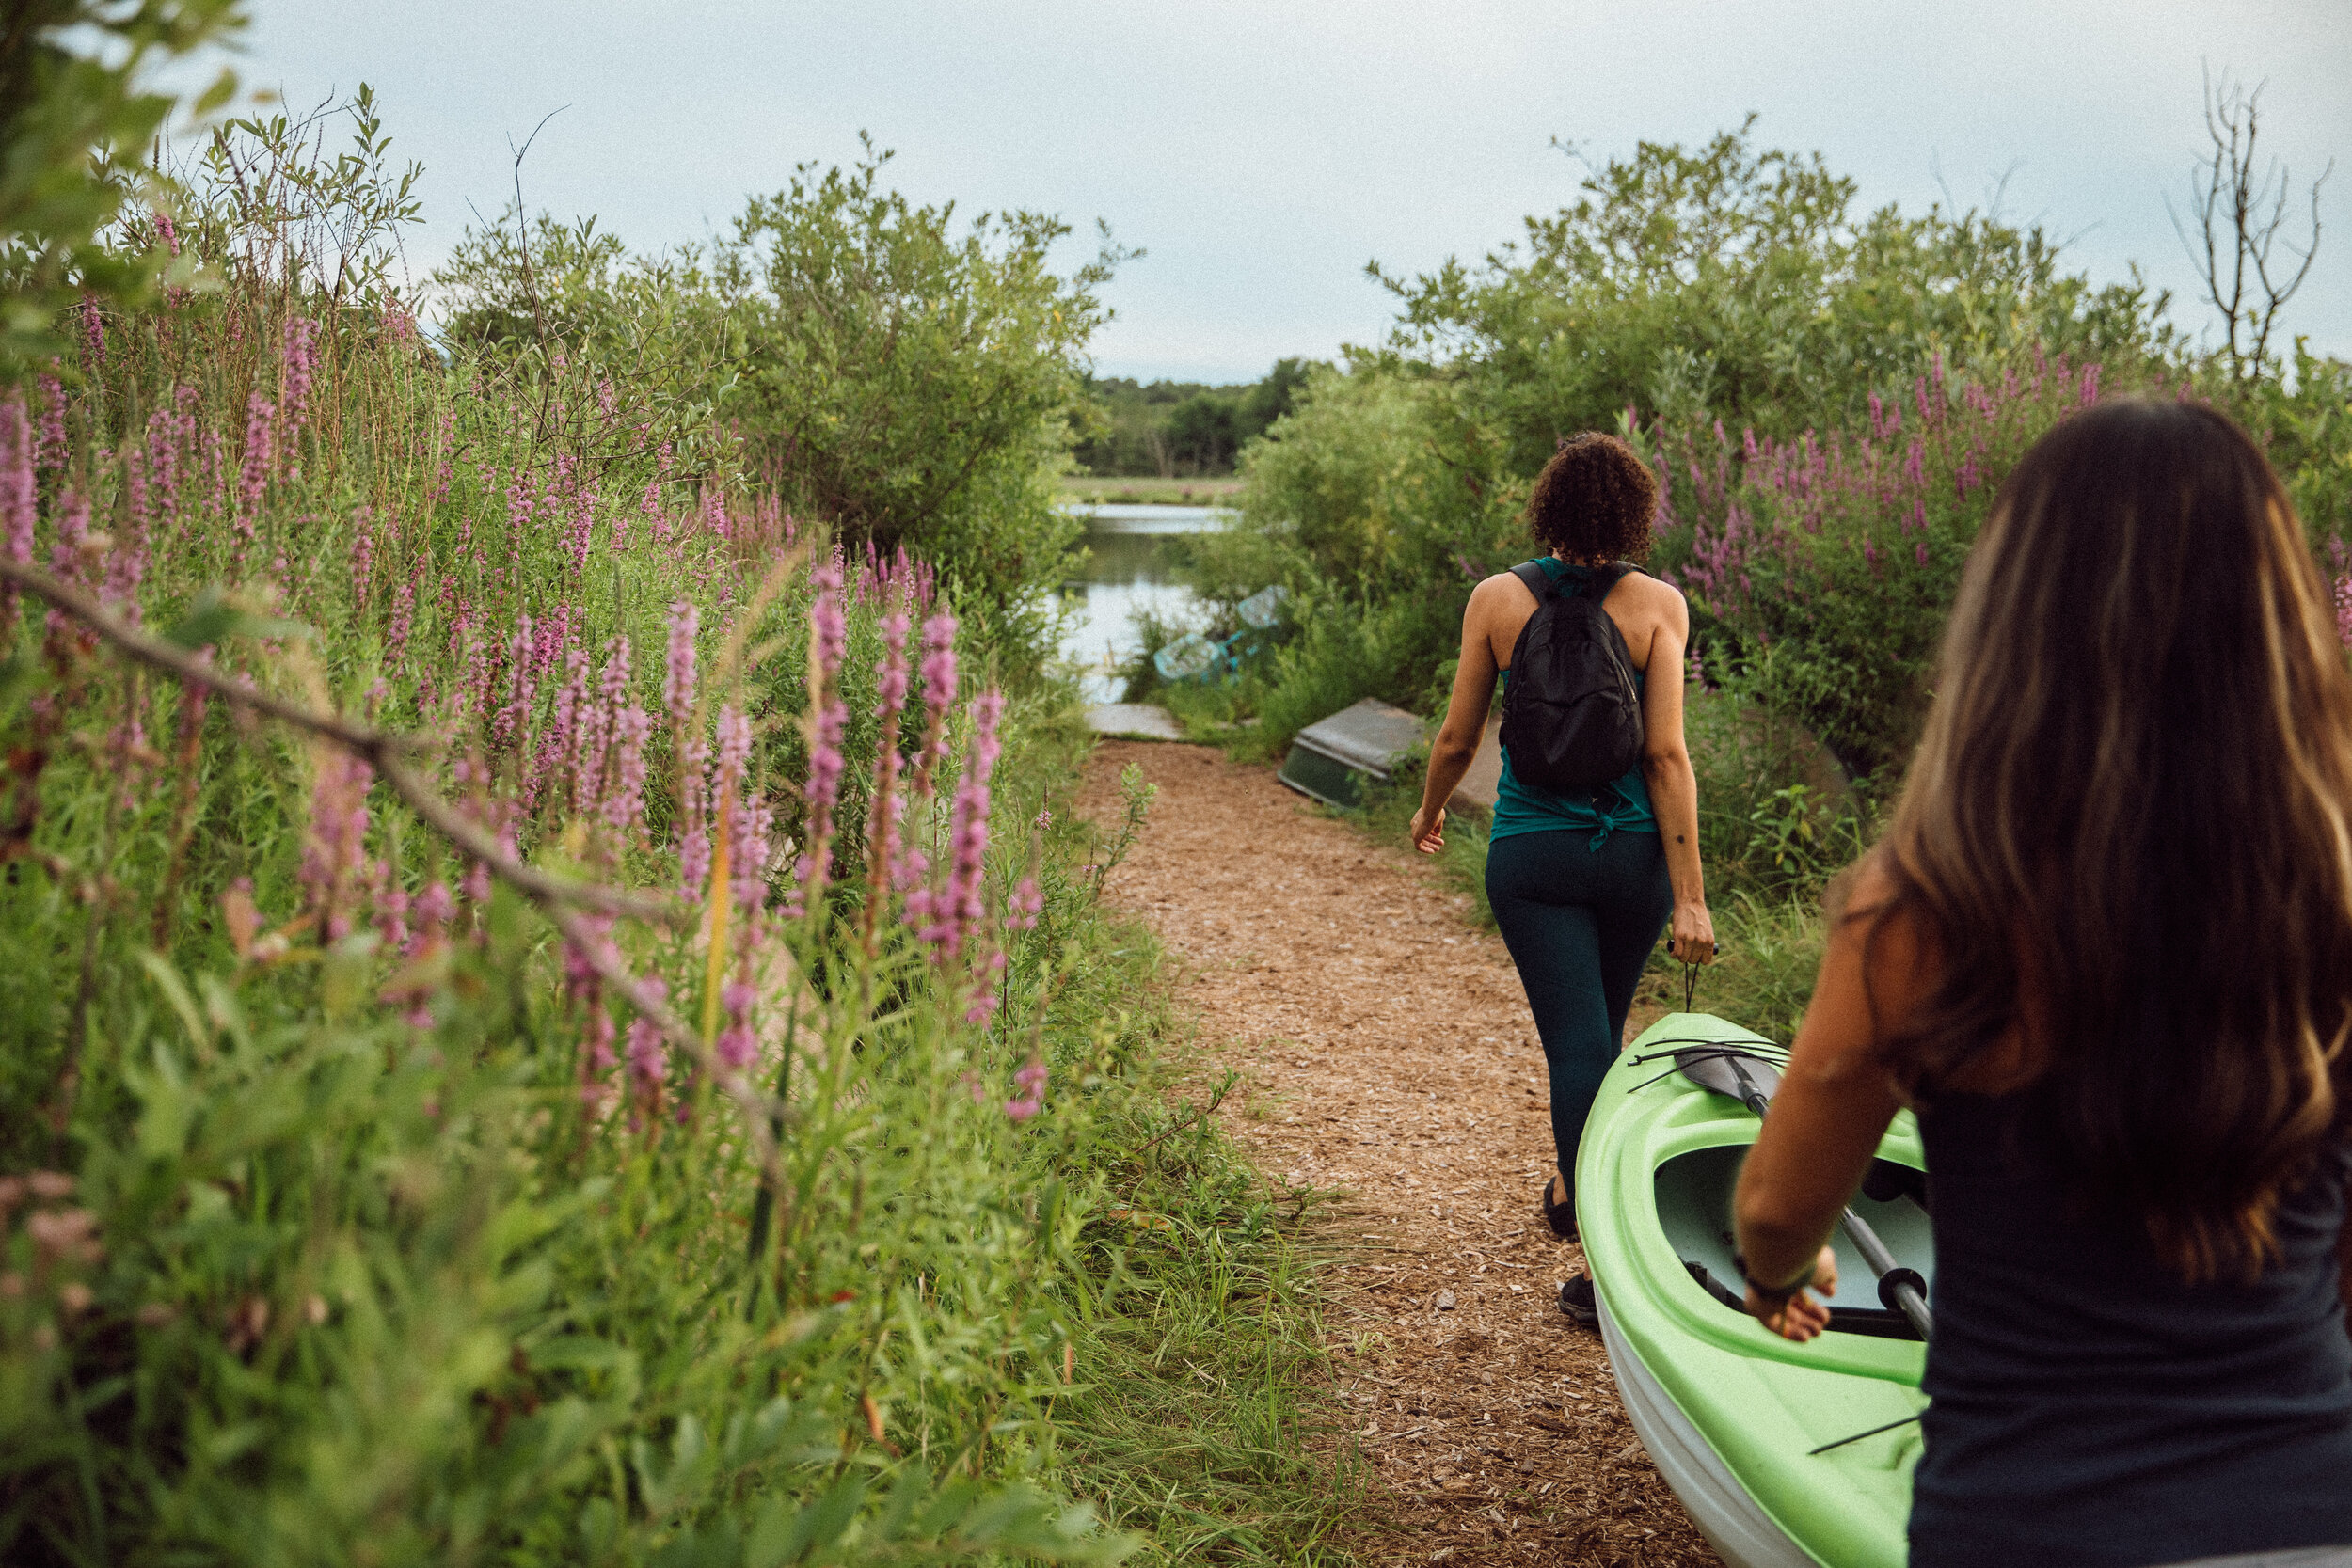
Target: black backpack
x,y
1571,715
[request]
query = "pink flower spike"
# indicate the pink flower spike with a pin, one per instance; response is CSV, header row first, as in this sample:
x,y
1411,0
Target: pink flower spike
x,y
738,1047
677,682
939,685
18,494
648,1059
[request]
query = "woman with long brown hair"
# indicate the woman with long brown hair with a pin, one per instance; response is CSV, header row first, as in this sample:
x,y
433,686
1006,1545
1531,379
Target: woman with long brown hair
x,y
2105,950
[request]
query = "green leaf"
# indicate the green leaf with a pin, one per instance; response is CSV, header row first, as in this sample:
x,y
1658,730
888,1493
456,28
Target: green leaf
x,y
216,615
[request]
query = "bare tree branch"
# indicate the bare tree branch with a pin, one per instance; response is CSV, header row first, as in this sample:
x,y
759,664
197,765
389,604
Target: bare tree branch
x,y
2241,206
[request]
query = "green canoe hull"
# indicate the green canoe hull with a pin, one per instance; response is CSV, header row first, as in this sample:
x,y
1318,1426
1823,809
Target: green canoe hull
x,y
1730,1412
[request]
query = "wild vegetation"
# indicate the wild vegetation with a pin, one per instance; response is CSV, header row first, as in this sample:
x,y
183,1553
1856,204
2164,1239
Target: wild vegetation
x,y
1831,398
557,1006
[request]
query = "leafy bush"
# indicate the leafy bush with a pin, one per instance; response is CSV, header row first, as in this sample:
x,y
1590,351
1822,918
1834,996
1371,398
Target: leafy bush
x,y
905,379
79,118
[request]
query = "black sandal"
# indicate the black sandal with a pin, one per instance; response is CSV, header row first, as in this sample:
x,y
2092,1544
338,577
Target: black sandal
x,y
1576,1301
1560,1216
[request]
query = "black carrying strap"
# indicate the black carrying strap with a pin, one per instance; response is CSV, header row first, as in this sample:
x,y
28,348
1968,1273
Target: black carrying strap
x,y
1538,581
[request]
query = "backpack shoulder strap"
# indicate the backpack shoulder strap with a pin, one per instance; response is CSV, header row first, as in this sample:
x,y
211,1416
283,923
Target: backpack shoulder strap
x,y
1538,581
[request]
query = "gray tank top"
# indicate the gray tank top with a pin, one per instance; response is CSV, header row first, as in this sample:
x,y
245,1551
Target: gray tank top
x,y
2089,1408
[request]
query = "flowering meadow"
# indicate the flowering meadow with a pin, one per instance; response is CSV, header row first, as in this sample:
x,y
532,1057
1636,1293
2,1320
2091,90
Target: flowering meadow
x,y
1828,560
552,1012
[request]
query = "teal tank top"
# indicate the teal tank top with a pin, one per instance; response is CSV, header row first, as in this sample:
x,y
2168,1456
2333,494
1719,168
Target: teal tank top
x,y
1621,805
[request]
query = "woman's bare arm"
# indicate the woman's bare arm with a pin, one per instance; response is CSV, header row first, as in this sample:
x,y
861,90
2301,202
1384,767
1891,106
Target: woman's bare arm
x,y
1833,1105
1674,786
1457,739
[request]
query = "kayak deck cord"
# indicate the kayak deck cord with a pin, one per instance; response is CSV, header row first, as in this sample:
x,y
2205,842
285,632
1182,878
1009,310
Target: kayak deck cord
x,y
1723,1051
1860,1435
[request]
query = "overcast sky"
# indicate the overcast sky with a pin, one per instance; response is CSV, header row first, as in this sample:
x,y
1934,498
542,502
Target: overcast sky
x,y
1262,153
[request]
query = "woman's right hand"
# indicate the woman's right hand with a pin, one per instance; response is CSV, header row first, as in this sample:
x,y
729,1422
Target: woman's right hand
x,y
1692,934
1799,1317
1428,830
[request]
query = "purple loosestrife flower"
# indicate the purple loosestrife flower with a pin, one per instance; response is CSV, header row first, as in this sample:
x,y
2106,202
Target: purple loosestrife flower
x,y
730,770
506,731
828,640
301,367
253,478
391,918
165,232
678,680
583,525
828,623
19,492
165,432
961,905
1031,1079
693,849
445,443
335,854
93,335
49,455
362,555
2344,611
649,1058
737,1046
598,1060
1027,904
626,806
678,700
396,635
883,812
126,565
559,748
939,692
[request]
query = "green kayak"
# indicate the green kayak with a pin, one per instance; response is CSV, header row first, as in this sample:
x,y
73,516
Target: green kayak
x,y
1762,1439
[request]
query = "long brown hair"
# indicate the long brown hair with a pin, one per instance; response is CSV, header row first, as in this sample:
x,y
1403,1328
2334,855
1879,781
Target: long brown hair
x,y
2129,818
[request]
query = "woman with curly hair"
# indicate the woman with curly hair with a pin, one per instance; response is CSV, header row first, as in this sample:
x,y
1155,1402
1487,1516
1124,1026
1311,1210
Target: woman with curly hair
x,y
1582,880
2105,951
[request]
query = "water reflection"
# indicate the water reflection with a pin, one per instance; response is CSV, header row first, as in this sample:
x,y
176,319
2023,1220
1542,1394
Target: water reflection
x,y
1128,570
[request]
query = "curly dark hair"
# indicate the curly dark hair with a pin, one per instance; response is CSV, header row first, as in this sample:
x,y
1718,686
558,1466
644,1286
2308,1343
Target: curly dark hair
x,y
1595,499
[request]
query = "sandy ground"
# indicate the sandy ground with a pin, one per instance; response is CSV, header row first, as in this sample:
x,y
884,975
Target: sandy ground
x,y
1389,1057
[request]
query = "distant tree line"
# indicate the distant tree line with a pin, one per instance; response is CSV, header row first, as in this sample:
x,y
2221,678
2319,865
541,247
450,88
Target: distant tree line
x,y
1131,429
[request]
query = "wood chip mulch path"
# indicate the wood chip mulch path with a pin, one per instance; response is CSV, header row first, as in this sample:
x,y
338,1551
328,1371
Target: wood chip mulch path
x,y
1389,1057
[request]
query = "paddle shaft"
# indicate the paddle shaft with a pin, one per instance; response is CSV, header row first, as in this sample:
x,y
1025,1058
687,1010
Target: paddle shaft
x,y
1907,1298
1905,1295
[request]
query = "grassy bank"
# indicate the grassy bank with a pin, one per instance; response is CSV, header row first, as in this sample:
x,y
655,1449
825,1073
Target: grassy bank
x,y
1149,492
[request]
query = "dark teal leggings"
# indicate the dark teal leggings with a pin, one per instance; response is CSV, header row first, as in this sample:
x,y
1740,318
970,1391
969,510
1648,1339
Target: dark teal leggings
x,y
1580,923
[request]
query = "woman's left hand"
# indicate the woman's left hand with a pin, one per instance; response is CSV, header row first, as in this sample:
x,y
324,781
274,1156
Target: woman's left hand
x,y
1428,831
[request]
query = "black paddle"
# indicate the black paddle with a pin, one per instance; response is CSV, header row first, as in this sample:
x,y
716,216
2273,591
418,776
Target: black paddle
x,y
1725,1070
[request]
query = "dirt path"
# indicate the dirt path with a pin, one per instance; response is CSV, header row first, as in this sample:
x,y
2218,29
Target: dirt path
x,y
1388,1055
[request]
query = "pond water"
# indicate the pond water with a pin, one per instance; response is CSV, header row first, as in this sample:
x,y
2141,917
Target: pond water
x,y
1128,570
